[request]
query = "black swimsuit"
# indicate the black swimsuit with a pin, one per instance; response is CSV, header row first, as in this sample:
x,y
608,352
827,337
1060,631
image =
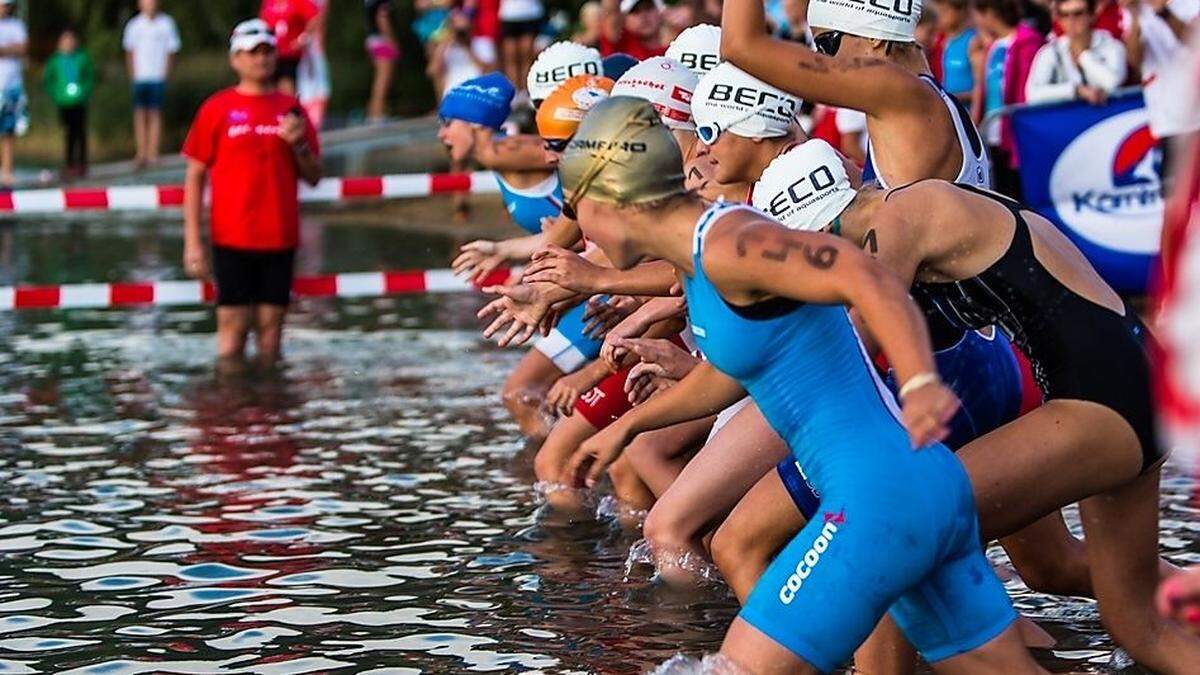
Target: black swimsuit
x,y
1079,350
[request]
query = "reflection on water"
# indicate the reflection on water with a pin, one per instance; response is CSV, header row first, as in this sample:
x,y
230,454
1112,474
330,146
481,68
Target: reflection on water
x,y
365,508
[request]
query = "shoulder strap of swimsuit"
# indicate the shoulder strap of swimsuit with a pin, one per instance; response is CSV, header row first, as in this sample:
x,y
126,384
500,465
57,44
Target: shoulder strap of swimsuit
x,y
709,218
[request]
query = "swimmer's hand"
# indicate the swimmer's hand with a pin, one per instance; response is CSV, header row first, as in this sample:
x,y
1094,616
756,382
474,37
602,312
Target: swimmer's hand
x,y
595,455
565,393
1178,599
195,262
602,316
521,308
558,266
675,363
646,380
477,259
927,412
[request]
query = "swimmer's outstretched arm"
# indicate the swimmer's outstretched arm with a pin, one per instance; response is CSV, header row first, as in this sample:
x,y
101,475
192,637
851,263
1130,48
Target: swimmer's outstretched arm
x,y
867,84
569,270
509,153
705,391
749,258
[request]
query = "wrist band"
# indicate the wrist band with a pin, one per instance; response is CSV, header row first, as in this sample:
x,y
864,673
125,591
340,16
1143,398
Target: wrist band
x,y
917,381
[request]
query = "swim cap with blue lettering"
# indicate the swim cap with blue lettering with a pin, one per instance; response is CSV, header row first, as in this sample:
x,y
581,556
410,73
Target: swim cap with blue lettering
x,y
485,100
805,188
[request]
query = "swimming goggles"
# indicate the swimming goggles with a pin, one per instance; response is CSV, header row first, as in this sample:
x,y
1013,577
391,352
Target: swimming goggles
x,y
556,144
829,42
710,132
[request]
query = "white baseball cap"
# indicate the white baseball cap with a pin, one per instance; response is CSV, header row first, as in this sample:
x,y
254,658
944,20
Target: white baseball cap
x,y
878,21
730,99
628,5
558,63
248,35
805,188
698,48
667,84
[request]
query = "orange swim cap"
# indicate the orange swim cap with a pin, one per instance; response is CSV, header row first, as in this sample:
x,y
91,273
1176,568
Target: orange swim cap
x,y
560,114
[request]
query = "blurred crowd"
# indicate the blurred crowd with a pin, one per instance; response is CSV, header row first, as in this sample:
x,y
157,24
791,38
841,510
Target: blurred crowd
x,y
989,53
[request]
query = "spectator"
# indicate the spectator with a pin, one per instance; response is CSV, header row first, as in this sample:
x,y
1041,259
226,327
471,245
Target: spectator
x,y
383,50
1036,15
312,79
591,16
14,106
1108,18
151,41
459,57
1012,47
950,58
68,78
520,23
632,26
293,22
796,28
256,143
1082,63
927,28
1155,34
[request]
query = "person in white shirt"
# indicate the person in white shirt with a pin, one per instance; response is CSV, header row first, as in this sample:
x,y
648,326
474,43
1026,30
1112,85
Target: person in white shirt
x,y
151,41
14,117
1082,63
1155,34
459,57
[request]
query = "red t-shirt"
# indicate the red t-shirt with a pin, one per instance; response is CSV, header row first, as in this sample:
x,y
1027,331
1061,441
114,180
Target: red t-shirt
x,y
487,19
288,19
630,45
252,170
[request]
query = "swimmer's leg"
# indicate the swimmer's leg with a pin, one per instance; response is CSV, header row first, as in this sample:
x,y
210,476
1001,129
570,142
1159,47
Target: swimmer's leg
x,y
1004,655
751,649
659,456
761,524
1068,451
1122,535
1049,558
708,488
233,328
548,464
525,390
633,496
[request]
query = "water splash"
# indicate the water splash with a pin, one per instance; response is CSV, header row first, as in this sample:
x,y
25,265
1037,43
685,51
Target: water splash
x,y
711,664
696,567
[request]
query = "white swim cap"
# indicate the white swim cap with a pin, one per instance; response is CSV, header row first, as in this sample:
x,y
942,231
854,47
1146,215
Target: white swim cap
x,y
805,188
895,20
730,99
667,84
558,63
698,48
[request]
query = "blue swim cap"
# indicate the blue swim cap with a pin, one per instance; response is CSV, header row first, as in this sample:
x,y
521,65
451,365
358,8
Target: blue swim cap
x,y
615,65
485,100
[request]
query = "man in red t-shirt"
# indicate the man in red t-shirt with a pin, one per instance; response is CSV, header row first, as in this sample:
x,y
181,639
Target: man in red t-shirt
x,y
255,143
633,27
292,21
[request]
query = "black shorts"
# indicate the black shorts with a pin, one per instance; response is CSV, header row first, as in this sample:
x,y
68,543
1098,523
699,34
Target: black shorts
x,y
247,277
514,29
287,69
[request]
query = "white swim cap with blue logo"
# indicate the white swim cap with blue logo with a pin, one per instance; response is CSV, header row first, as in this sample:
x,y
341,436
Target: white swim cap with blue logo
x,y
698,48
895,20
667,84
558,63
805,188
739,103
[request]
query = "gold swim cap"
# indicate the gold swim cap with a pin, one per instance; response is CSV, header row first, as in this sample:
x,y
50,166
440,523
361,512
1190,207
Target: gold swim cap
x,y
622,154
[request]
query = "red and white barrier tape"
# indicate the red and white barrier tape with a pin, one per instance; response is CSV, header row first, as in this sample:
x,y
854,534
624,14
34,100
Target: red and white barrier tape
x,y
164,293
153,197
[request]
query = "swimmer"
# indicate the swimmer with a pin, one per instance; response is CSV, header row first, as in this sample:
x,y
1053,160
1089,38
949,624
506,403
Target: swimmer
x,y
766,307
698,48
866,59
986,260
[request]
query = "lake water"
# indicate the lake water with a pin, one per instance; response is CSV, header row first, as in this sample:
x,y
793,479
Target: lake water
x,y
366,508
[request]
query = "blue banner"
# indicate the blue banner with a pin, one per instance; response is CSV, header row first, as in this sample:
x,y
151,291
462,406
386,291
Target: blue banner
x,y
1096,172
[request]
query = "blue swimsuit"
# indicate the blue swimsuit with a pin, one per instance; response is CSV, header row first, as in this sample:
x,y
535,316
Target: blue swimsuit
x,y
566,346
898,532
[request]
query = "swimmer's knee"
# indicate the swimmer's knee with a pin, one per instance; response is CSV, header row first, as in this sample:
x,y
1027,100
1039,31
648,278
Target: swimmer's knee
x,y
547,466
622,473
665,530
733,547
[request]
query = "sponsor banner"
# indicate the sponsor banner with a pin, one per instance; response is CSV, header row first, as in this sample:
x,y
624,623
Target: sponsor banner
x,y
1097,173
